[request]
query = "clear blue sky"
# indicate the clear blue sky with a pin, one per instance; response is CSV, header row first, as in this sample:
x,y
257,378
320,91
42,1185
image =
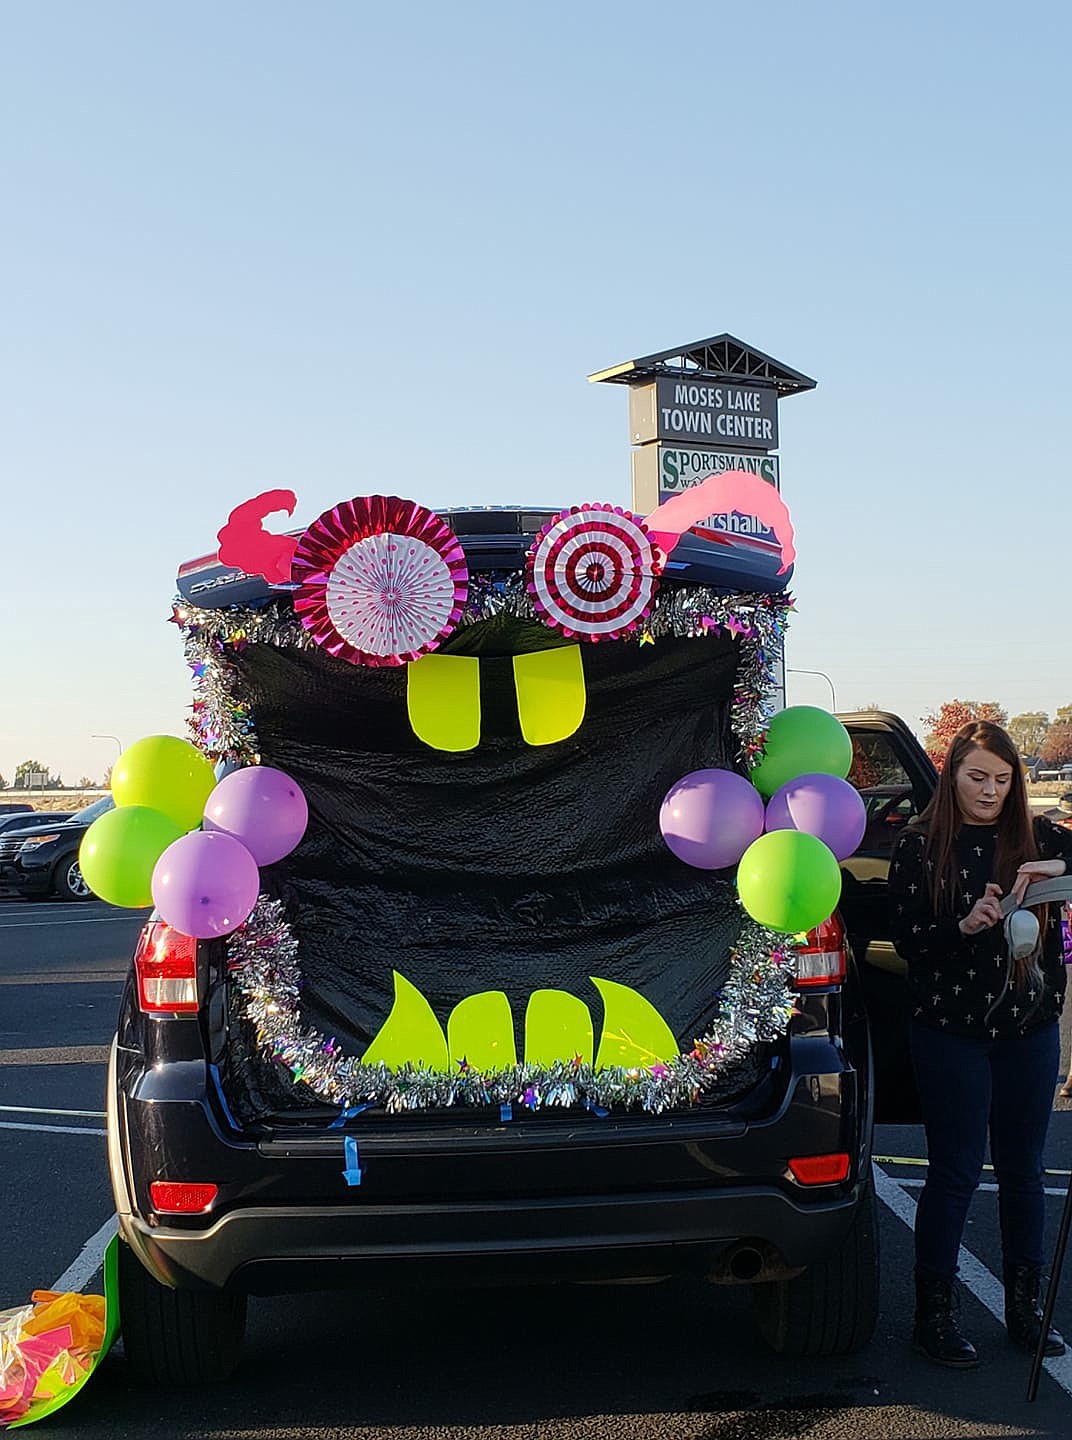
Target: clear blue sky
x,y
257,245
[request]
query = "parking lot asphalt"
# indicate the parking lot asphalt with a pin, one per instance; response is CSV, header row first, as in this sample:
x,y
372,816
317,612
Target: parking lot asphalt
x,y
670,1360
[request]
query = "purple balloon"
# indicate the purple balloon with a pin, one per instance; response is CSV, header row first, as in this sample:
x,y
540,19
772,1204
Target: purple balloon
x,y
205,885
710,817
262,807
823,806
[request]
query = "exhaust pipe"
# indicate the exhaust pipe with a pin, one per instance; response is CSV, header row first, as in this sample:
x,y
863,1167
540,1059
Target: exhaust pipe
x,y
745,1262
751,1261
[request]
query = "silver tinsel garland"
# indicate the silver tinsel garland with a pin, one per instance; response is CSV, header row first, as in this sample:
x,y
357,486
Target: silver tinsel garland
x,y
755,1004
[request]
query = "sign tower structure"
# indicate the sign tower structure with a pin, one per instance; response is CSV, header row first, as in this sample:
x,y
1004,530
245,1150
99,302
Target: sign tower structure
x,y
699,409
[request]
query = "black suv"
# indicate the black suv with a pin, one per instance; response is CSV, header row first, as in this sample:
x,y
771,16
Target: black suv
x,y
42,859
231,1179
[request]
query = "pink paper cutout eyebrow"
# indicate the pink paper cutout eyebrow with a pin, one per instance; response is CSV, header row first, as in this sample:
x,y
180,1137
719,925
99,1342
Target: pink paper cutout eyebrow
x,y
732,490
245,542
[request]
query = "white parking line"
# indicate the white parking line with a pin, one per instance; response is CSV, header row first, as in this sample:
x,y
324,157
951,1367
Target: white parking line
x,y
56,1129
89,1260
919,1184
58,924
974,1275
37,1110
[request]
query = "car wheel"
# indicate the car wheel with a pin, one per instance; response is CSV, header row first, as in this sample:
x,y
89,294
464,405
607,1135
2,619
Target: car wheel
x,y
67,880
177,1337
830,1309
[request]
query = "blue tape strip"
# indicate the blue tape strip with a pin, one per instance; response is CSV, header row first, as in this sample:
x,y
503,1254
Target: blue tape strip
x,y
597,1110
352,1173
214,1071
345,1115
506,1113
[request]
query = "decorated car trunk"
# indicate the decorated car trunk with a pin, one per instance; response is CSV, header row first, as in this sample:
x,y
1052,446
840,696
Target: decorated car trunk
x,y
495,930
490,832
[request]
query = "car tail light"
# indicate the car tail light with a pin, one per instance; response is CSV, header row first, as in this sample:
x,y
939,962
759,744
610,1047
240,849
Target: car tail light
x,y
182,1197
821,959
165,963
820,1169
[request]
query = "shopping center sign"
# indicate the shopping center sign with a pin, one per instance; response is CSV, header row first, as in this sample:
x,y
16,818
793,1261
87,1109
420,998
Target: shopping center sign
x,y
712,411
699,410
660,471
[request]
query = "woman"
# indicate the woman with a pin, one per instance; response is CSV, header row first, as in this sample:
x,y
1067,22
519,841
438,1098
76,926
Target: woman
x,y
983,1032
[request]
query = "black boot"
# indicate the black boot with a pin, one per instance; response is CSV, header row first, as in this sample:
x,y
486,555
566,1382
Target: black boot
x,y
1023,1314
936,1334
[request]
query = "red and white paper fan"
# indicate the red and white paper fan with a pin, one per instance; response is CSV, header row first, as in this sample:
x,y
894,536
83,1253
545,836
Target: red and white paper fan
x,y
593,572
381,580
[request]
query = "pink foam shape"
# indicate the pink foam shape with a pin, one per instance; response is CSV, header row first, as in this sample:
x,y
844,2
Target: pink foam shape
x,y
732,491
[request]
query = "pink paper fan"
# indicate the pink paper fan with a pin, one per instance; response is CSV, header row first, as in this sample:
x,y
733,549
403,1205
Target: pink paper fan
x,y
593,572
381,580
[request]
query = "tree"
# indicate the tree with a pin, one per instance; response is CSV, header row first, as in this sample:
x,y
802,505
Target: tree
x,y
86,783
1057,747
3,783
34,767
1029,731
942,724
1064,712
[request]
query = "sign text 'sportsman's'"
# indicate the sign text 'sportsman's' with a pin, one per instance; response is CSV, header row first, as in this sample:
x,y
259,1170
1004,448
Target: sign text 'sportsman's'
x,y
711,412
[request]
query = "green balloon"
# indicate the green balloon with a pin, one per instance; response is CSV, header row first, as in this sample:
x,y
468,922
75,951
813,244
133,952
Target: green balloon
x,y
788,880
167,774
119,852
802,740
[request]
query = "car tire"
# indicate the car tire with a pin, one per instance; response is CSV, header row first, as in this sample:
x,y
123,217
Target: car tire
x,y
67,880
831,1308
177,1337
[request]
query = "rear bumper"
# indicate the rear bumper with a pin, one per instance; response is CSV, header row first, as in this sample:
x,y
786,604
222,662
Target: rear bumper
x,y
587,1199
274,1251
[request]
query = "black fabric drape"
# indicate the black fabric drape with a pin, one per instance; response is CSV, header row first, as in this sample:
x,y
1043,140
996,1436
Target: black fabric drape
x,y
507,867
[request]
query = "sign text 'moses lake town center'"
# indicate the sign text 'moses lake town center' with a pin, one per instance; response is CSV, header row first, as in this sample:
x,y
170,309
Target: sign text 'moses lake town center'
x,y
711,412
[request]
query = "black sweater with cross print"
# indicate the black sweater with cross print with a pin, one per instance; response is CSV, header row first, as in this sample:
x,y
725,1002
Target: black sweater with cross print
x,y
958,982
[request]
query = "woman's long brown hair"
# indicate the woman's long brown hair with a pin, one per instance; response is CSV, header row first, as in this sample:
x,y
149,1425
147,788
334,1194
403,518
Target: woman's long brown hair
x,y
942,821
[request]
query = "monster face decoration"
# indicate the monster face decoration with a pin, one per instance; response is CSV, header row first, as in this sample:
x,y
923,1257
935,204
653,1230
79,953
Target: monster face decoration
x,y
484,906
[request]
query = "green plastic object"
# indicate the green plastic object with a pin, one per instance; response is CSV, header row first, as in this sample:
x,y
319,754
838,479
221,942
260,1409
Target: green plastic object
x,y
558,1026
111,1330
164,773
411,1034
480,1031
119,852
788,880
634,1033
551,693
802,740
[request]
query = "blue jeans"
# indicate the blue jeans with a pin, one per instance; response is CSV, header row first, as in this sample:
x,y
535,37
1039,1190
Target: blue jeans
x,y
966,1087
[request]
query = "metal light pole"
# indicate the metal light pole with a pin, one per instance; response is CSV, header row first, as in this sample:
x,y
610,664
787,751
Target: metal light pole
x,y
118,742
824,676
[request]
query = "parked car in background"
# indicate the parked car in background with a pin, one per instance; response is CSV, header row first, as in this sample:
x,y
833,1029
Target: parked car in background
x,y
21,820
42,859
10,808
